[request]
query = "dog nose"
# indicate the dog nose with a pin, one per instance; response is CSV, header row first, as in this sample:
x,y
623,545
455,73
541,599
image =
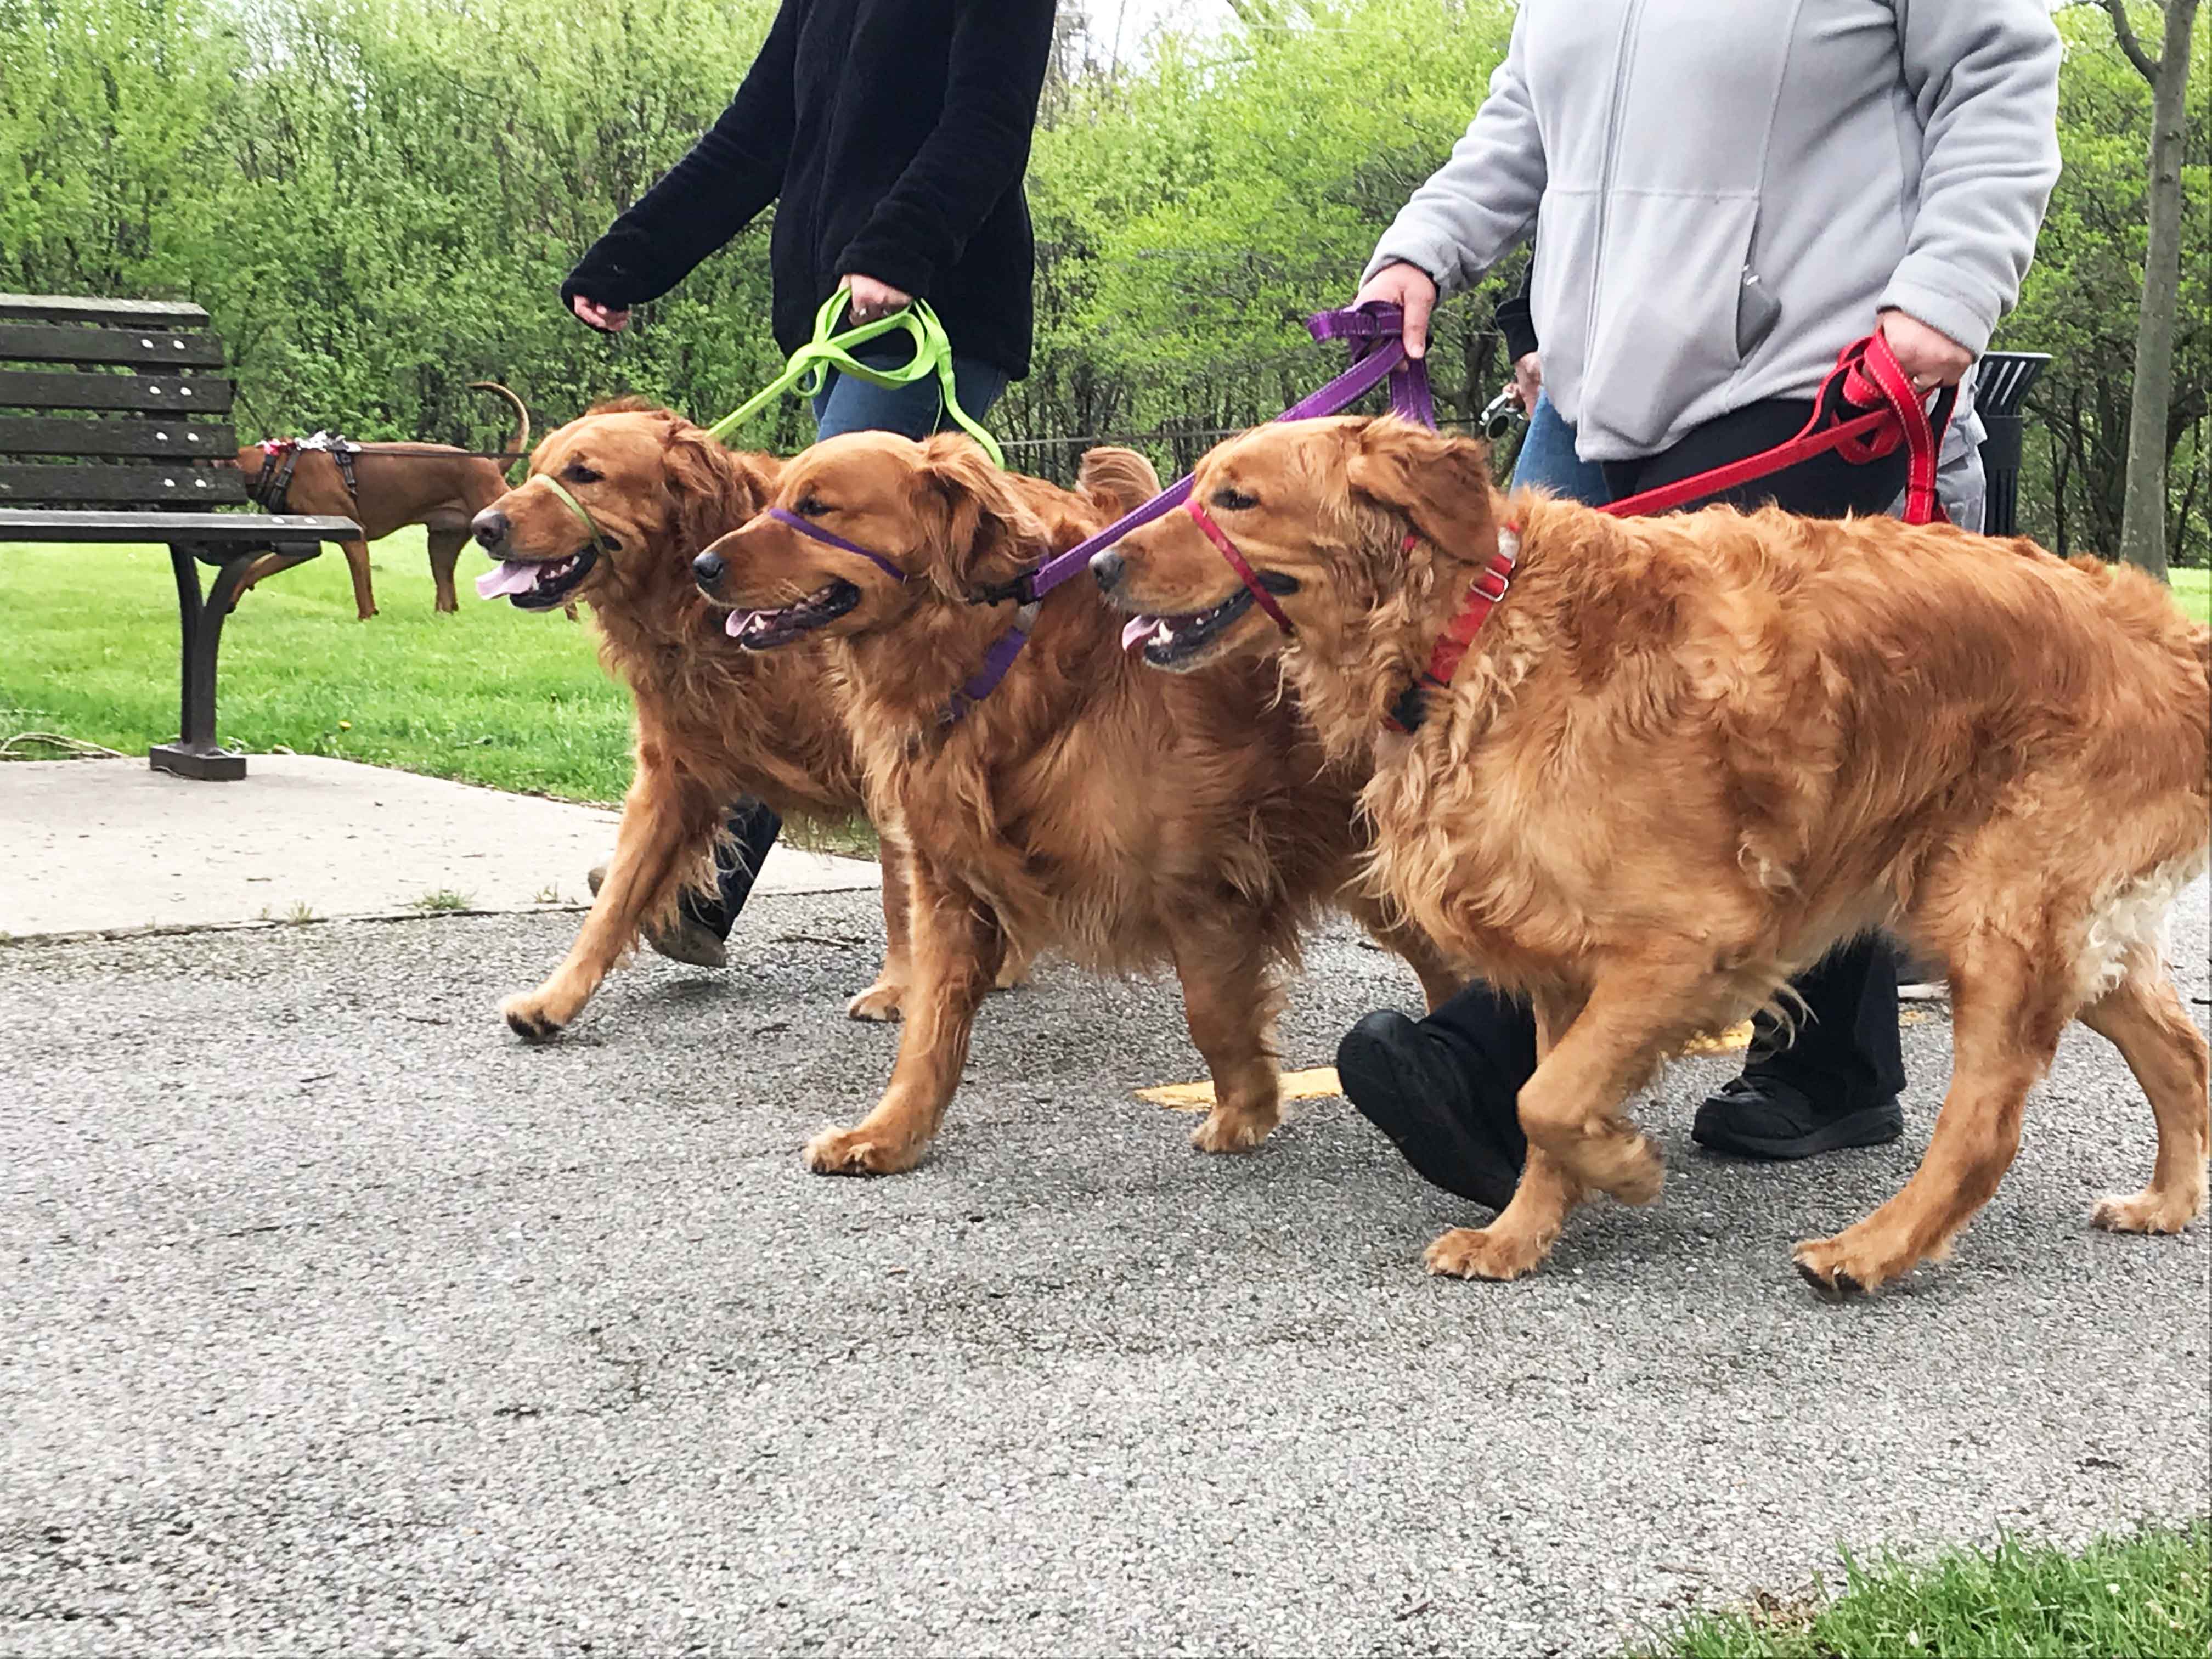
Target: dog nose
x,y
707,569
489,527
1106,570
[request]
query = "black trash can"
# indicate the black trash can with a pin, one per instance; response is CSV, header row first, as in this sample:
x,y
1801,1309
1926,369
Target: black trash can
x,y
2001,385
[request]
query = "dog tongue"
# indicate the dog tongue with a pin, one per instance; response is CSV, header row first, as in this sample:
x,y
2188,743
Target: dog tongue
x,y
1137,631
507,577
734,623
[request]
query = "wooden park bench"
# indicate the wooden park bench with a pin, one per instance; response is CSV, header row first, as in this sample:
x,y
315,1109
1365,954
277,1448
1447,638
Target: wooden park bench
x,y
109,438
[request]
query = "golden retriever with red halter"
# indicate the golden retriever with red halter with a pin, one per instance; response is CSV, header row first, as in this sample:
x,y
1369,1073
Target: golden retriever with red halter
x,y
1686,756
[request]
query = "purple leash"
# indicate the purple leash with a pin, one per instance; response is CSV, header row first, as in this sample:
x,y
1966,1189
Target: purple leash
x,y
1376,331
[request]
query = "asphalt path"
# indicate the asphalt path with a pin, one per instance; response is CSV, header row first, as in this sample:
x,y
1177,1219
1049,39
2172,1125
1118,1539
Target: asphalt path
x,y
338,1321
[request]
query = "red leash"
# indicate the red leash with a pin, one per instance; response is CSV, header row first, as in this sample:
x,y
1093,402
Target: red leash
x,y
1867,376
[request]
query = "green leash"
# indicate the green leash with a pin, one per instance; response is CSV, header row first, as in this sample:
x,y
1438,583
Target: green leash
x,y
811,365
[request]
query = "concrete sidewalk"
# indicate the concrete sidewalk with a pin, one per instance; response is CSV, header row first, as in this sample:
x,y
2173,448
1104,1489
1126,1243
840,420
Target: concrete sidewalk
x,y
108,845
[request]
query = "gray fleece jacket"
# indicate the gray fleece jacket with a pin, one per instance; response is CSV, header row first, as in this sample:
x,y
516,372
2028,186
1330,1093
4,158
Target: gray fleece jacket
x,y
1726,191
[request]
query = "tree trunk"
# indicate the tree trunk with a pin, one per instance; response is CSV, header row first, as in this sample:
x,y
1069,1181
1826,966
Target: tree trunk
x,y
2143,524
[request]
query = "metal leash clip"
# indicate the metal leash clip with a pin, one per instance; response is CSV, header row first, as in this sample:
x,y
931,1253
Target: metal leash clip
x,y
1500,415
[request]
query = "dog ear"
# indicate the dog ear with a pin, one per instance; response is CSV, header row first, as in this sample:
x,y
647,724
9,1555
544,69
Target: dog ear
x,y
714,490
990,533
1440,483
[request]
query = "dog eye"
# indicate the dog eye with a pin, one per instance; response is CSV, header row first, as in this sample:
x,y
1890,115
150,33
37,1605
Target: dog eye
x,y
577,472
1234,501
811,506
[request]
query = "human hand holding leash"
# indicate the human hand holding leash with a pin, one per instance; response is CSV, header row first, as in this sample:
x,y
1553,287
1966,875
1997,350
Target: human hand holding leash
x,y
1930,357
1527,381
872,299
1409,288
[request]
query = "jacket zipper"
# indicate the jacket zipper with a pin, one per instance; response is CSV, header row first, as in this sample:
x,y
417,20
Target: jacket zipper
x,y
1631,20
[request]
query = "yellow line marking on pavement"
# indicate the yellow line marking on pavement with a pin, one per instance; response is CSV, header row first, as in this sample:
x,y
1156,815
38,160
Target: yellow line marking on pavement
x,y
1320,1082
1199,1097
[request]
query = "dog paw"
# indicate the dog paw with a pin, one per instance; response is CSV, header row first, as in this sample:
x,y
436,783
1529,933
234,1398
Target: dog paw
x,y
529,1019
858,1152
879,1004
1233,1130
2146,1211
1483,1253
1013,972
1835,1272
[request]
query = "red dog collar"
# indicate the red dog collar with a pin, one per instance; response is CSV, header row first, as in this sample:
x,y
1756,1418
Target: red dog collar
x,y
1491,584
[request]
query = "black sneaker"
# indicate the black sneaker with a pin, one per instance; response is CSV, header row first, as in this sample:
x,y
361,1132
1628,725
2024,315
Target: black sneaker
x,y
1760,1117
1442,1106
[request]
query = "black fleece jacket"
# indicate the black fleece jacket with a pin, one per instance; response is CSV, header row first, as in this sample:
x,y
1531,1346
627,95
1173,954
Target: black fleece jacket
x,y
892,135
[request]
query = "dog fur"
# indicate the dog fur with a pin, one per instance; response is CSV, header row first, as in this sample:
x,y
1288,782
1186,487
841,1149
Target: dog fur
x,y
1130,822
434,485
1688,755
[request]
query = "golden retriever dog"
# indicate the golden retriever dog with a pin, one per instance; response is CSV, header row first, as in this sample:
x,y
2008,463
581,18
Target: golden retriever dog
x,y
713,722
1686,756
1131,822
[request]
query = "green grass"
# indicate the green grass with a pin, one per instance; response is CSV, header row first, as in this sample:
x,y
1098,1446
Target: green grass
x,y
2193,587
2148,1596
493,695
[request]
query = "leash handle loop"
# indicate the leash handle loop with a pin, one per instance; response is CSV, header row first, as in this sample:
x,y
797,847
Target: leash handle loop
x,y
832,351
1867,376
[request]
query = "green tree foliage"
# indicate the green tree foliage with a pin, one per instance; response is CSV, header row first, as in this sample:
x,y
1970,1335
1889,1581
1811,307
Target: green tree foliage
x,y
377,199
2081,299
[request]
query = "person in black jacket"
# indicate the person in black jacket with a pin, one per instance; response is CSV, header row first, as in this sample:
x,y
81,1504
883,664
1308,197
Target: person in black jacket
x,y
892,135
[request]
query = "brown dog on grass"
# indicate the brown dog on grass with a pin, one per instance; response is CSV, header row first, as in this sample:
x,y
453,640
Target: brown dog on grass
x,y
713,721
1129,821
434,485
1688,754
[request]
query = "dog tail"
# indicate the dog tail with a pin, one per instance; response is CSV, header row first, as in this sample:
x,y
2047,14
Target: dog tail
x,y
1118,480
521,440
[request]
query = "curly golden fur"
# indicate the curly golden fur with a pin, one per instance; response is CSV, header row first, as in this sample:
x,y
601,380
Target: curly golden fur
x,y
1688,755
1129,822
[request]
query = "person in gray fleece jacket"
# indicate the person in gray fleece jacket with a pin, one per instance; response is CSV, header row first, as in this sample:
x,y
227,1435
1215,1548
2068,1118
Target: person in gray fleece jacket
x,y
1723,194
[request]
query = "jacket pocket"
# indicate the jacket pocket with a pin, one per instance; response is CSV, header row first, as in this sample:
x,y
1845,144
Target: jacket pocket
x,y
1670,297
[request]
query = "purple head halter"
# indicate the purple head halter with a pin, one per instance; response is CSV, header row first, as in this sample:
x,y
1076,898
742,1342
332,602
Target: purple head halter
x,y
808,528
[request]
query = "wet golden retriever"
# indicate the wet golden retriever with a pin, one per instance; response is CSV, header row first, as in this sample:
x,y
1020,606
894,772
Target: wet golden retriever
x,y
1688,755
713,721
1131,822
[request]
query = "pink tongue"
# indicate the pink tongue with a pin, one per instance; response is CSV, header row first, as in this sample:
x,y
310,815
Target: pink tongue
x,y
734,623
1137,631
507,577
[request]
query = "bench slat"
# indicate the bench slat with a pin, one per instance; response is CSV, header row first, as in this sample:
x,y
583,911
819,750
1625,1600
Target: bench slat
x,y
247,529
198,395
39,435
122,313
166,486
154,349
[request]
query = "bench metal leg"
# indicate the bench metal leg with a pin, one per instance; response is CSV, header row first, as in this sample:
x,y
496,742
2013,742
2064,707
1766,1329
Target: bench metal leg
x,y
195,754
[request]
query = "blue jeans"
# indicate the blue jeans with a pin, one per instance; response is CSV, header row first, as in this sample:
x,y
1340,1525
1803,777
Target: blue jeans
x,y
1548,460
845,403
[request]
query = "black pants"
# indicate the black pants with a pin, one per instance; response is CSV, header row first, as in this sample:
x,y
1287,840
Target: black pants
x,y
1846,1054
753,829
